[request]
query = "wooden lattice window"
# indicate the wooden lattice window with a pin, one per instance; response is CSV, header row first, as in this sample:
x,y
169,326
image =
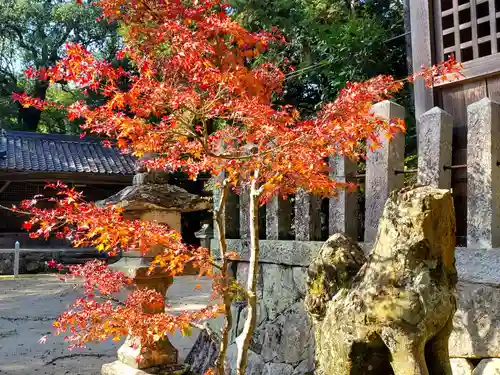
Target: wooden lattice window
x,y
467,29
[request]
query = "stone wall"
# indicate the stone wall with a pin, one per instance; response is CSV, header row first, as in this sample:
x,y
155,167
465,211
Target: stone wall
x,y
34,260
29,262
284,339
283,342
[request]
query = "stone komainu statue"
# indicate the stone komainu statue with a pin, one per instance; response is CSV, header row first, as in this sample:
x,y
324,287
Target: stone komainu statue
x,y
392,312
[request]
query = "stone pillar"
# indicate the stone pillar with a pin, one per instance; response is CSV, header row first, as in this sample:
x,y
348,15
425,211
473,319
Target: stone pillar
x,y
278,219
434,145
483,174
231,213
232,216
343,208
163,352
307,217
381,165
244,206
205,235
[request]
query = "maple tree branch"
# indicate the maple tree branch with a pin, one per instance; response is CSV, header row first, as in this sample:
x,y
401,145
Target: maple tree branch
x,y
112,299
226,293
255,155
16,211
244,340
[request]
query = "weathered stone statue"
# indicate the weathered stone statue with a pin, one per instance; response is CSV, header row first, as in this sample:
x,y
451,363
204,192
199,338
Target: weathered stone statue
x,y
393,313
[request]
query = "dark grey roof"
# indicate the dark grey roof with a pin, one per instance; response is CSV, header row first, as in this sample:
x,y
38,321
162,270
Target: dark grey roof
x,y
26,151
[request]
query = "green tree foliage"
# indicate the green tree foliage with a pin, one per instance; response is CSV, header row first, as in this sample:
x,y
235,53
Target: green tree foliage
x,y
33,34
330,42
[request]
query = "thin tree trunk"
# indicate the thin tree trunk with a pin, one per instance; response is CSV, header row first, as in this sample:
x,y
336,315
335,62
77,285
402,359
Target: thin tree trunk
x,y
220,222
243,341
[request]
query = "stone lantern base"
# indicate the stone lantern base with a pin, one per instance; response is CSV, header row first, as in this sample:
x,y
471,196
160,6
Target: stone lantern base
x,y
162,358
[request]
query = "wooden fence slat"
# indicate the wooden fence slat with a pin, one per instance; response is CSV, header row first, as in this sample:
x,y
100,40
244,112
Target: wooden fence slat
x,y
474,23
456,26
422,43
438,30
493,27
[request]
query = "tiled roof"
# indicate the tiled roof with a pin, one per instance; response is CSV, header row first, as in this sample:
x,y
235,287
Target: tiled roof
x,y
26,151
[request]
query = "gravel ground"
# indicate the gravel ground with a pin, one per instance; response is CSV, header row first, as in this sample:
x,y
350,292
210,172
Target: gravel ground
x,y
28,305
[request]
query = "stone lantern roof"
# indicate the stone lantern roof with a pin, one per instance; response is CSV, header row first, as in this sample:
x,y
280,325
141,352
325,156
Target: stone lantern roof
x,y
159,197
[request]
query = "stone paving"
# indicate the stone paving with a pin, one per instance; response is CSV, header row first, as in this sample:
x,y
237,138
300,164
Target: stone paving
x,y
28,305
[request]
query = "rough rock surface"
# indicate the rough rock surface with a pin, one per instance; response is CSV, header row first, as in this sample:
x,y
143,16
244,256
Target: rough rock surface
x,y
278,369
6,263
461,366
339,260
255,364
403,298
203,355
476,324
489,366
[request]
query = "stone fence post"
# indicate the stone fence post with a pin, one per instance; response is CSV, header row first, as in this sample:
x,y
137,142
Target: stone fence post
x,y
483,174
434,146
17,251
231,212
278,218
244,206
307,216
342,209
205,235
381,165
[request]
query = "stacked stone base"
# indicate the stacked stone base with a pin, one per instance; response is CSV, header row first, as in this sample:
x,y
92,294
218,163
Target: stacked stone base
x,y
475,341
463,366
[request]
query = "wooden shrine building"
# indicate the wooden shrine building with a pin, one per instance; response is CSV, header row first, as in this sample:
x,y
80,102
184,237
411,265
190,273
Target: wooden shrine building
x,y
470,30
28,160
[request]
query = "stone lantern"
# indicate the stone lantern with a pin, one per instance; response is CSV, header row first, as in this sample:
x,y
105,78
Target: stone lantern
x,y
150,198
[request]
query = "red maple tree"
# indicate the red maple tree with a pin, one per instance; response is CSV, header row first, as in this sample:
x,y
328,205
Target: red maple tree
x,y
198,97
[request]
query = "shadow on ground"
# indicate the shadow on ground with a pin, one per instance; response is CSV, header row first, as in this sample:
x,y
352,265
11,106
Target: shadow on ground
x,y
28,307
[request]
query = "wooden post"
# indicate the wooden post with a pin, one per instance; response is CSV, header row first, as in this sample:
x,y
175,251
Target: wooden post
x,y
422,42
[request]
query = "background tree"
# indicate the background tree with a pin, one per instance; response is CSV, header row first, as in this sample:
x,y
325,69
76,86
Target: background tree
x,y
194,68
332,42
329,42
32,35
